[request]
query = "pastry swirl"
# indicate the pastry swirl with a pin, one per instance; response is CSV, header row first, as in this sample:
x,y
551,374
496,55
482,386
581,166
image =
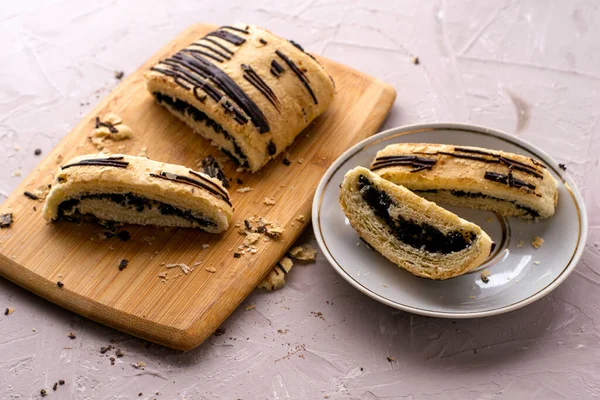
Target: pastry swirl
x,y
411,232
246,90
136,190
505,183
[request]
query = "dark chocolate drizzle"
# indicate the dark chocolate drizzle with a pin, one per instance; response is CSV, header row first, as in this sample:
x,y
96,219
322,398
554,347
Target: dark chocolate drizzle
x,y
251,76
211,187
276,68
296,45
508,179
199,66
100,162
217,52
263,41
420,163
495,159
217,44
228,37
511,162
298,73
233,28
184,67
204,53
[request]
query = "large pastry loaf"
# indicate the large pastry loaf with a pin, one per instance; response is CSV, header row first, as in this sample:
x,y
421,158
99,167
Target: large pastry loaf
x,y
247,90
136,190
506,183
410,231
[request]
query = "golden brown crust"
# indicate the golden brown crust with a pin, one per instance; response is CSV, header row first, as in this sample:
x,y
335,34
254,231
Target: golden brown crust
x,y
288,100
145,178
410,207
513,185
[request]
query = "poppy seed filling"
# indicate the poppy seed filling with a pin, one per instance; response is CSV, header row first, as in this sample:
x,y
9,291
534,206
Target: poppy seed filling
x,y
460,193
68,209
184,108
417,235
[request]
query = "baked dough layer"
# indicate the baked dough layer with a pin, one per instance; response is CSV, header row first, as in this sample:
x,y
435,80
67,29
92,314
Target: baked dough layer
x,y
411,232
506,183
245,89
136,190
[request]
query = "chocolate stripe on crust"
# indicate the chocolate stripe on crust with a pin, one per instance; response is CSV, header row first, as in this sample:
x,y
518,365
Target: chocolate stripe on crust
x,y
420,163
506,160
100,162
217,52
202,67
217,187
233,28
508,179
190,181
204,53
187,65
228,37
276,68
217,44
256,81
298,73
497,159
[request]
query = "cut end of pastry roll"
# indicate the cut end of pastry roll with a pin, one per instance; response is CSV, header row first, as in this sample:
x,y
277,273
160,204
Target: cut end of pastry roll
x,y
411,232
136,190
245,89
505,183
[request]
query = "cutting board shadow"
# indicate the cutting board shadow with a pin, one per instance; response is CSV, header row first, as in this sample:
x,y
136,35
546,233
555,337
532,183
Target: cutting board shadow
x,y
179,310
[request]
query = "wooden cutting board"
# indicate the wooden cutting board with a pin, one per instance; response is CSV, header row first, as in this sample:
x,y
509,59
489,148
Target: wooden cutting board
x,y
180,311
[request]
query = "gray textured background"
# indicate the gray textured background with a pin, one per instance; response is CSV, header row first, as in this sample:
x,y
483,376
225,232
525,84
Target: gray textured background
x,y
526,67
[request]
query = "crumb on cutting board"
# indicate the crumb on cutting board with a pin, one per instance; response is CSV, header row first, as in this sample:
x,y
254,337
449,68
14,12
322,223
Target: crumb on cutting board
x,y
244,189
109,129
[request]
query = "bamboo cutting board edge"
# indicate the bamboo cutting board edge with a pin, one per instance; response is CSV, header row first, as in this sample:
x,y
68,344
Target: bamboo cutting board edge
x,y
190,335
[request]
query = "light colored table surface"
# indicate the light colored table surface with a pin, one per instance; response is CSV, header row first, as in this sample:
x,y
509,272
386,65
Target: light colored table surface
x,y
526,67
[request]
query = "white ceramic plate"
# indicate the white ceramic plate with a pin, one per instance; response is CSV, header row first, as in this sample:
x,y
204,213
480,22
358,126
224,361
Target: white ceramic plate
x,y
519,275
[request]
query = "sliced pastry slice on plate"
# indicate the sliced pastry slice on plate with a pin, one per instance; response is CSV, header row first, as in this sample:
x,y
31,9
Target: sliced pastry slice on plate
x,y
410,231
136,190
245,89
506,183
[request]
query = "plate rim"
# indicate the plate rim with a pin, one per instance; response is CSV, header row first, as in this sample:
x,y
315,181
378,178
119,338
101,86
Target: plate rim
x,y
416,128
